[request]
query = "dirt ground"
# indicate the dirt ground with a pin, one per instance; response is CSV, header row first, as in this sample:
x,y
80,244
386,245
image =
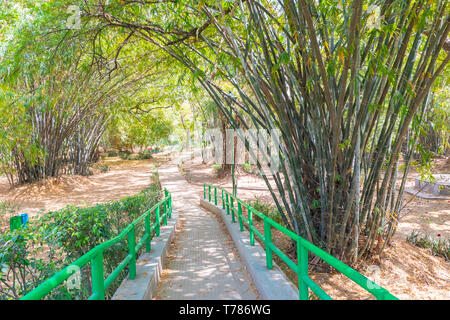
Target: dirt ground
x,y
125,177
407,271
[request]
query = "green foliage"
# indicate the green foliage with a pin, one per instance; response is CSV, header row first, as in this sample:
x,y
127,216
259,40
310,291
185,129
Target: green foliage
x,y
438,247
267,209
104,168
145,154
247,167
7,210
113,153
24,263
140,130
142,155
57,238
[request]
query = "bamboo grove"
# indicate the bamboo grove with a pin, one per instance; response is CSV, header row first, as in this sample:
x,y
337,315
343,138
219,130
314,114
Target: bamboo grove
x,y
62,103
346,82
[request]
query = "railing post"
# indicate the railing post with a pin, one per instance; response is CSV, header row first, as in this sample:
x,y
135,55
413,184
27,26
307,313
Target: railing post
x,y
241,220
165,212
232,210
158,222
302,262
170,206
228,204
209,192
223,200
98,282
267,242
132,253
215,195
204,191
250,226
148,245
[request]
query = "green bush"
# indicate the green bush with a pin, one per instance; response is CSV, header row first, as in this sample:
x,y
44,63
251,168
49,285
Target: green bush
x,y
24,264
217,168
66,235
437,247
112,153
125,155
104,168
146,154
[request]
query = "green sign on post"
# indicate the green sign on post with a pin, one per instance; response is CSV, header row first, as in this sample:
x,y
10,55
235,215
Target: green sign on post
x,y
15,222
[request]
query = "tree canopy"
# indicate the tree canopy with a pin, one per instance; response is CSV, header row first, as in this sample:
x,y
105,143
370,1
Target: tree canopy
x,y
347,83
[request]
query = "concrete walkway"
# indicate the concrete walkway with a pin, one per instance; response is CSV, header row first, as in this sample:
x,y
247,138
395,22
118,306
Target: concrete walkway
x,y
203,263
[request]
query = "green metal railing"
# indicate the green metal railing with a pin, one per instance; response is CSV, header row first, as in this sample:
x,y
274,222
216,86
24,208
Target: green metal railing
x,y
95,256
234,206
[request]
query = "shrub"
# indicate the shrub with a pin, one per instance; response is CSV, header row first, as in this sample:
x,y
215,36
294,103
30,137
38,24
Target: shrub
x,y
24,264
104,168
7,210
437,247
217,168
112,153
124,155
247,167
267,209
146,154
58,238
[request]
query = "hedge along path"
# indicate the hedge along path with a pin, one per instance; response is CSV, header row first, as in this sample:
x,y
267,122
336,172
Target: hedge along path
x,y
203,263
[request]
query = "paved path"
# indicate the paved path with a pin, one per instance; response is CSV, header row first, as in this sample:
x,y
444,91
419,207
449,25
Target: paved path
x,y
203,263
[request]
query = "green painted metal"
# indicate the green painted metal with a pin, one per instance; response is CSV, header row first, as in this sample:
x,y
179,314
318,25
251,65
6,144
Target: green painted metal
x,y
158,222
250,225
98,285
241,222
15,222
223,202
165,213
215,196
94,257
267,242
227,204
132,253
148,242
304,248
232,209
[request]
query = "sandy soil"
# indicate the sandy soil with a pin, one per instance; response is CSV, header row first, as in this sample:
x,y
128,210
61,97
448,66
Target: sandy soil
x,y
125,177
407,271
428,216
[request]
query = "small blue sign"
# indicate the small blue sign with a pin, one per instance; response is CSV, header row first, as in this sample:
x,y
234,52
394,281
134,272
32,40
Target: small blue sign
x,y
24,217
